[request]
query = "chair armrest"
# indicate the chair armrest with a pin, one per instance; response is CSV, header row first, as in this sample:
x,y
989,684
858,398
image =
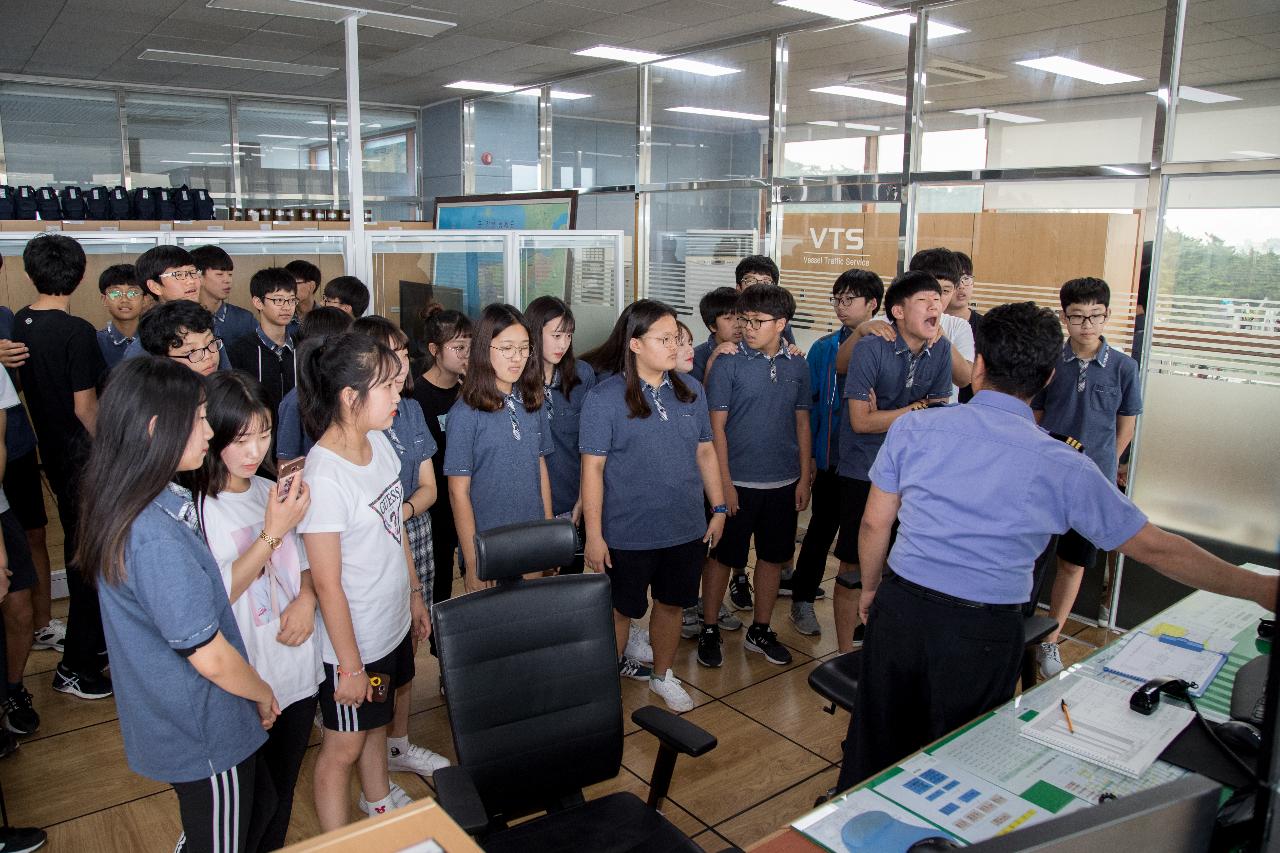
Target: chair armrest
x,y
849,580
457,795
679,734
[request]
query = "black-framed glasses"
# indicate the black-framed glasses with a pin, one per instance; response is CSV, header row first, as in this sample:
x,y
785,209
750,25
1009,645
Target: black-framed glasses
x,y
282,301
1087,319
116,293
754,323
182,275
512,353
754,278
197,355
844,301
666,341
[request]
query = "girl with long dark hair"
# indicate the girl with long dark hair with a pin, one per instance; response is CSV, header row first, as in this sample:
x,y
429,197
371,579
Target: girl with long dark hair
x,y
249,525
370,598
498,435
647,457
192,709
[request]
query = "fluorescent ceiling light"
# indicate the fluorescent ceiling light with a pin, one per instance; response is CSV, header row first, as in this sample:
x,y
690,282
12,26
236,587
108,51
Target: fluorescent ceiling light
x,y
705,111
1200,96
1262,154
824,123
185,58
845,10
621,54
901,25
556,94
973,111
997,115
279,136
335,123
184,162
693,66
865,94
871,127
480,86
206,154
1079,70
334,13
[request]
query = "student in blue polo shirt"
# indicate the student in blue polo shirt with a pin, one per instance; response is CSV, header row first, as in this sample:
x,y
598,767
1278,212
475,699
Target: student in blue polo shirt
x,y
292,440
759,400
123,298
944,634
855,297
647,458
192,709
886,380
498,435
1094,397
169,274
719,311
230,322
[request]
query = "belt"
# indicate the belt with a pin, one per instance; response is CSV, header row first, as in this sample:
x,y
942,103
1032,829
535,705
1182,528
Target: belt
x,y
943,598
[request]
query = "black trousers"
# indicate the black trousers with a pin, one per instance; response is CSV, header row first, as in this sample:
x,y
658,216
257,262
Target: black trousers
x,y
824,524
85,646
227,812
927,668
282,759
444,541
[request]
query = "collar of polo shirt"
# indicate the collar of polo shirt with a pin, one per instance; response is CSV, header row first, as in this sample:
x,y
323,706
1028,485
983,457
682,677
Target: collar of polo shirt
x,y
783,350
1069,355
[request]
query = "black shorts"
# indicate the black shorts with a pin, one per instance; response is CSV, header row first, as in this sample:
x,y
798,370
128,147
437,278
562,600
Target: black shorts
x,y
15,545
672,573
767,514
397,666
1076,550
25,491
853,501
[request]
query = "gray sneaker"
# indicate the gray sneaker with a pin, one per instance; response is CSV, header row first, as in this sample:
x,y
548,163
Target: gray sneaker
x,y
805,620
728,620
1050,660
690,622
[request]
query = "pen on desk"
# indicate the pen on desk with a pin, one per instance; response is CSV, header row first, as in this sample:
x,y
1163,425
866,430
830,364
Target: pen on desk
x,y
1067,714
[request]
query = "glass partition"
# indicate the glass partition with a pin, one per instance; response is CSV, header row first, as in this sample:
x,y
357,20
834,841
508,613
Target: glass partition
x,y
271,249
284,154
613,212
593,131
101,251
60,136
506,143
582,270
176,140
710,114
390,142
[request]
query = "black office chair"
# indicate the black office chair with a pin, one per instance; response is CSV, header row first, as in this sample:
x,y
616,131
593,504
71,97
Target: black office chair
x,y
530,670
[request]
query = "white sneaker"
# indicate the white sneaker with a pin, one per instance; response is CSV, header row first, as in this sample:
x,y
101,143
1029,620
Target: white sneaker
x,y
1049,658
397,799
669,688
415,759
638,645
50,636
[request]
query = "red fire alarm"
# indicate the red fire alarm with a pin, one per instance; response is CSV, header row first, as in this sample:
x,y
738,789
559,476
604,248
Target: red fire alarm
x,y
486,158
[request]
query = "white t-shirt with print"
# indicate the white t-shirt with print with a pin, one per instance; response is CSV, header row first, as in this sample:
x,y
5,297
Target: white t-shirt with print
x,y
960,334
363,503
232,522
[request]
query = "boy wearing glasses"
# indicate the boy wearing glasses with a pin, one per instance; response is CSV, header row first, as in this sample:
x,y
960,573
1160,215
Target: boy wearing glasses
x,y
169,274
1094,396
230,322
759,400
182,331
122,297
960,308
268,353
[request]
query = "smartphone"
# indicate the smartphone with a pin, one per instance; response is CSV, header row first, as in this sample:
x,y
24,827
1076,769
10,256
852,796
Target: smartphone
x,y
288,470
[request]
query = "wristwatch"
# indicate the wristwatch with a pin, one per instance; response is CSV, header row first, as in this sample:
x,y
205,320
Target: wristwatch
x,y
720,508
270,540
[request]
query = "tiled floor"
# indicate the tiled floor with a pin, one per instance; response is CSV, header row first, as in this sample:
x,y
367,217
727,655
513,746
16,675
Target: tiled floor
x,y
777,750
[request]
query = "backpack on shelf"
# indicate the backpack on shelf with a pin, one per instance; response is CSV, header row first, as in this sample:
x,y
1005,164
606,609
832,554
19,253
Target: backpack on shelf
x,y
7,201
95,203
164,203
24,203
118,204
204,204
71,200
47,204
184,203
143,204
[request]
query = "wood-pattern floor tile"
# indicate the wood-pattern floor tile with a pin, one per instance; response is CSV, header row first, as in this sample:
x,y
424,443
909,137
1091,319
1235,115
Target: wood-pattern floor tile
x,y
789,706
741,668
775,813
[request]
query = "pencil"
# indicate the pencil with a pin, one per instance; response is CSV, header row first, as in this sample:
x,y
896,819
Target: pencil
x,y
1067,714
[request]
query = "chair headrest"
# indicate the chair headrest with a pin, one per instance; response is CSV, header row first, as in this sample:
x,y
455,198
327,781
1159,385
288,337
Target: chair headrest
x,y
516,549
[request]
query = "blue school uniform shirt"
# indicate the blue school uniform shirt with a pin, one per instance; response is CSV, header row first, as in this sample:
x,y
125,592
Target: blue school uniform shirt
x,y
1085,397
982,489
761,395
701,355
499,451
564,466
113,343
411,439
652,484
178,726
19,437
231,323
292,440
899,378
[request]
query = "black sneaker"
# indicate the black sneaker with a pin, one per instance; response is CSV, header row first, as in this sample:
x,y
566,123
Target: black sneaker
x,y
859,634
20,717
785,588
740,592
85,685
761,639
21,839
709,653
8,745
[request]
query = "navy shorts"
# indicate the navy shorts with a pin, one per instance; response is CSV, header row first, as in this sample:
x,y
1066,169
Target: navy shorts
x,y
15,546
1076,550
672,573
853,502
398,666
767,514
25,491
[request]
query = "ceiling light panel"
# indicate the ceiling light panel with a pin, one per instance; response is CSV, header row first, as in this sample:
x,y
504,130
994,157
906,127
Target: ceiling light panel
x,y
693,66
844,10
481,86
864,94
620,54
1079,70
707,111
333,12
185,58
1200,96
901,25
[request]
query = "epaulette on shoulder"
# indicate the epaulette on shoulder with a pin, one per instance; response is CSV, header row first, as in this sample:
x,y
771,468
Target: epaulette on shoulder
x,y
1074,444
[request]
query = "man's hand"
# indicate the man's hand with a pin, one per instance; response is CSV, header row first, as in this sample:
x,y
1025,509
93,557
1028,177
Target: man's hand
x,y
726,348
864,604
793,350
715,529
596,555
731,498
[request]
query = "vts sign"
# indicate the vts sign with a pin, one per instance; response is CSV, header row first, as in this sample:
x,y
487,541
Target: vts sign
x,y
842,239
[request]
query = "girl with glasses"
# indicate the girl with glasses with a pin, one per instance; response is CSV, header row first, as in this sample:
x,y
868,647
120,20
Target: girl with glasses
x,y
498,435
